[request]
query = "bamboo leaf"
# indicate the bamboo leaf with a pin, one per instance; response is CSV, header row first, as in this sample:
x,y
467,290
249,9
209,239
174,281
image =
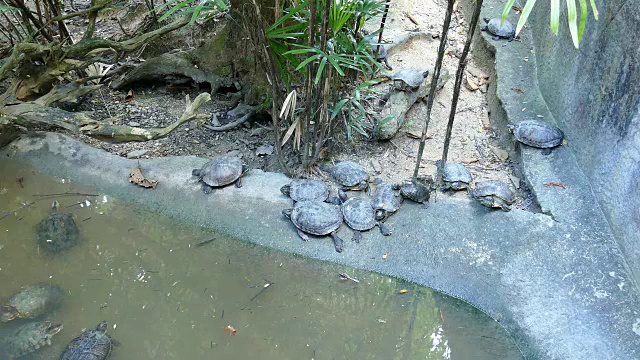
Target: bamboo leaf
x,y
337,108
572,20
335,65
506,9
555,16
583,19
526,11
320,69
594,9
308,60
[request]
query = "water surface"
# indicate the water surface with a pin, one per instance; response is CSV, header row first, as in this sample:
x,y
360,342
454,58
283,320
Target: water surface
x,y
164,297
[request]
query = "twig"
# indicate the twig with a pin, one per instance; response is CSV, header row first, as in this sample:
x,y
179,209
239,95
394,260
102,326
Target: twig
x,y
345,276
231,125
264,288
204,242
9,213
65,194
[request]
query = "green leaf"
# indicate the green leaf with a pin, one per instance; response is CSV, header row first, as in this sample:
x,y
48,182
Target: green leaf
x,y
506,9
338,107
594,9
583,19
555,16
333,62
572,20
526,11
178,6
320,69
308,60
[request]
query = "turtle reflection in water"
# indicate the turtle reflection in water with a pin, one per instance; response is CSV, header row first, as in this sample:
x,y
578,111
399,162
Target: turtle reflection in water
x,y
58,232
90,345
28,338
31,302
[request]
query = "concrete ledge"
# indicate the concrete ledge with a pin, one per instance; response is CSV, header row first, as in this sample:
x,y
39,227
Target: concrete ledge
x,y
560,288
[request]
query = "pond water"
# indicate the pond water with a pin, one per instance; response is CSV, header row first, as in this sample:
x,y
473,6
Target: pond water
x,y
164,297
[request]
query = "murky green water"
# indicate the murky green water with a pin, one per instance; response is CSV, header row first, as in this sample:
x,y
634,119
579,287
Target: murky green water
x,y
165,298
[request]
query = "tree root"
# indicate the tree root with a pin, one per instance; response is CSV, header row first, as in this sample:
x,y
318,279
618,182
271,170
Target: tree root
x,y
243,112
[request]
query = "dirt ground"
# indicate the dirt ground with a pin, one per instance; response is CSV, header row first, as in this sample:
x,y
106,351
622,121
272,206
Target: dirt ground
x,y
473,142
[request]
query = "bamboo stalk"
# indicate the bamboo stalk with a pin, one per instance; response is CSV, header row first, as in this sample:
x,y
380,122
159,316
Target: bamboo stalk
x,y
434,83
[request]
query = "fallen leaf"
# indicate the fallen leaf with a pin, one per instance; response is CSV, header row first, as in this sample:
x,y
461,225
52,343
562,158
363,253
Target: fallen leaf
x,y
136,177
515,180
130,96
403,291
555,184
415,134
20,181
501,154
231,330
470,84
518,90
384,256
516,8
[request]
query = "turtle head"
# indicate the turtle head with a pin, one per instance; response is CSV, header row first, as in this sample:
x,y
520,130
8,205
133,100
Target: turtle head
x,y
380,215
196,172
342,195
287,213
8,313
51,329
285,190
102,327
425,74
55,205
486,20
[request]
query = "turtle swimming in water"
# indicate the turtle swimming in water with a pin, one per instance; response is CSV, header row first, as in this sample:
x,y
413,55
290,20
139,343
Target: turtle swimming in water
x,y
537,134
316,218
305,189
359,214
499,29
58,232
31,302
28,338
90,345
221,171
494,194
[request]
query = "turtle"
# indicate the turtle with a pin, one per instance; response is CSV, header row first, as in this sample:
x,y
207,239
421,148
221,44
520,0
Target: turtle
x,y
537,134
220,171
316,218
305,189
499,29
350,175
385,201
359,214
494,194
90,345
28,338
382,51
455,177
418,191
58,232
408,79
31,302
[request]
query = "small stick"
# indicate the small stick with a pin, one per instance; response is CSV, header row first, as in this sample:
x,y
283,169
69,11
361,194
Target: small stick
x,y
87,219
344,276
65,194
264,288
205,242
11,212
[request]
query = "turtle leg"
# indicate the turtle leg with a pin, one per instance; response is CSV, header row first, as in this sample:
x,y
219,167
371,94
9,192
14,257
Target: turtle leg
x,y
357,236
387,64
384,229
303,236
208,189
546,151
239,182
495,37
337,242
426,204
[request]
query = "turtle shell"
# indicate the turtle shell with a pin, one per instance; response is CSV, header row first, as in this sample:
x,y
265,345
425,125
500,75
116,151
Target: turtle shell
x,y
316,218
538,134
359,214
90,345
28,338
58,232
301,190
221,170
348,173
408,78
31,302
498,28
494,193
385,198
416,191
456,176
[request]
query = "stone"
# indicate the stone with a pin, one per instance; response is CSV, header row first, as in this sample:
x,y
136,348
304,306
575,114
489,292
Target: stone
x,y
263,150
136,153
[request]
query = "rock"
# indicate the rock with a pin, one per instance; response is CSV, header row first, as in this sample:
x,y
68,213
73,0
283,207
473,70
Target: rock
x,y
501,154
424,90
136,153
258,131
264,150
476,72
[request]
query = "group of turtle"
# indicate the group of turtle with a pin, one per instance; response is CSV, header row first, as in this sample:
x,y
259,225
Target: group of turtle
x,y
31,304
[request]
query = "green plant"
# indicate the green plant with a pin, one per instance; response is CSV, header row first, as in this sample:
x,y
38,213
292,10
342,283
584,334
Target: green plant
x,y
576,29
199,9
